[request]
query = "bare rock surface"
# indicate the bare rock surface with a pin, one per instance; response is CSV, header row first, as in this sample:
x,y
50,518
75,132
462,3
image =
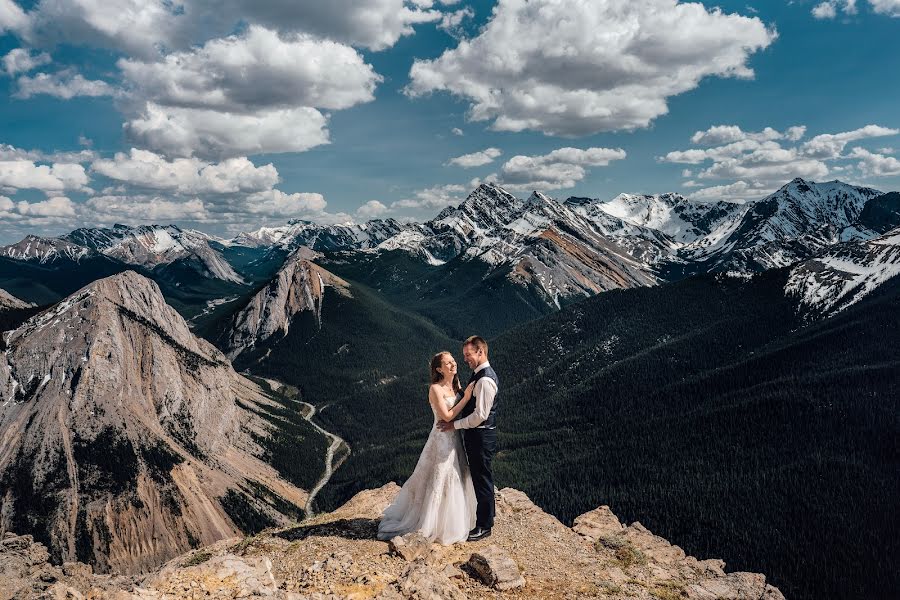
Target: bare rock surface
x,y
7,301
124,439
336,556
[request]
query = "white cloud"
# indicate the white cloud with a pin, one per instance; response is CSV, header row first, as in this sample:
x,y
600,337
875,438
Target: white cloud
x,y
562,168
57,206
890,8
738,191
257,92
434,197
210,133
830,145
760,162
457,131
64,84
20,60
25,174
476,159
145,169
451,22
576,67
371,209
875,165
146,27
727,134
276,202
372,24
259,69
825,10
141,208
12,17
8,152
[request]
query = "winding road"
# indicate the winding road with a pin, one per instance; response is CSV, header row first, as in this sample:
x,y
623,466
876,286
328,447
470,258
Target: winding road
x,y
336,442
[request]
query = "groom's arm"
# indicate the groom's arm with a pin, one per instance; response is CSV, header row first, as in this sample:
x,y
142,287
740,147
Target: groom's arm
x,y
485,390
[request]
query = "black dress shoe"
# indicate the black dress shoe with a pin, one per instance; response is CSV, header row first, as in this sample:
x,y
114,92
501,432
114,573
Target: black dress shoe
x,y
479,533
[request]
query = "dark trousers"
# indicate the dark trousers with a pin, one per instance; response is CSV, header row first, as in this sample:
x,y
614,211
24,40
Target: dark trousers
x,y
481,445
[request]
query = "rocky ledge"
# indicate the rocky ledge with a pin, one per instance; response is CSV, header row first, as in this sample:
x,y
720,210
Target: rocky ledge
x,y
336,556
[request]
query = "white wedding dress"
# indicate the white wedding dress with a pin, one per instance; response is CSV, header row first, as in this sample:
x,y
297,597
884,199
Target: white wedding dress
x,y
438,499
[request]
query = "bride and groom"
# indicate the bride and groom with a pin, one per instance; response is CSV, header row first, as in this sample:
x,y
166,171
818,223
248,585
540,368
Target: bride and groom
x,y
450,495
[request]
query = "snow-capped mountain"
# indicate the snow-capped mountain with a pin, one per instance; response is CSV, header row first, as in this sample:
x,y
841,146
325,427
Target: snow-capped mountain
x,y
298,286
124,439
683,221
45,250
153,245
796,222
845,274
324,238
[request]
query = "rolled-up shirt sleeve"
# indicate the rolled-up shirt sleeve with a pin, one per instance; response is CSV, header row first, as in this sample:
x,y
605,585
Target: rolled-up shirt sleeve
x,y
485,390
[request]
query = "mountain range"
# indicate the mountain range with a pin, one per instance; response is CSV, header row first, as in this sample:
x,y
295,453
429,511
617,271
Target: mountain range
x,y
669,356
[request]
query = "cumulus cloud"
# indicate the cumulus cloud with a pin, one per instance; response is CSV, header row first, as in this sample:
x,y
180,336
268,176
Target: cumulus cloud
x,y
12,17
64,84
739,191
825,10
890,8
20,60
371,209
145,169
877,165
250,93
457,131
146,27
25,174
435,197
562,168
759,162
8,152
576,67
211,133
57,206
451,22
476,159
259,69
144,208
830,145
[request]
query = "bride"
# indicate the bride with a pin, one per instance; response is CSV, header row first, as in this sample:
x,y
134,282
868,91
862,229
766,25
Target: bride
x,y
438,499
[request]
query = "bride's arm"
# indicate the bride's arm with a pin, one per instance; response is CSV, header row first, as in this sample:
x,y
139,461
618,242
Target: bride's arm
x,y
457,408
437,403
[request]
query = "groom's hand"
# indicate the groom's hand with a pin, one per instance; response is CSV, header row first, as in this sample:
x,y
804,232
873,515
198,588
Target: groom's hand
x,y
445,426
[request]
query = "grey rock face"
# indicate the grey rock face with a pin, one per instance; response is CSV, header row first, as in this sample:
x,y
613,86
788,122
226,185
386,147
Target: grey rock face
x,y
120,432
298,286
7,301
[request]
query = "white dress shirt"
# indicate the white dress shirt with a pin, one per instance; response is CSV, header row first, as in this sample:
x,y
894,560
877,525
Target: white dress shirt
x,y
485,390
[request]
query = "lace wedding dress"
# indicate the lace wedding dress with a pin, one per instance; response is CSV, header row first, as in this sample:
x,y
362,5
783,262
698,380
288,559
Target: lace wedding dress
x,y
438,499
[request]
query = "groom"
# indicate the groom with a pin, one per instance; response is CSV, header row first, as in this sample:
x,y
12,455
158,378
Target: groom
x,y
479,427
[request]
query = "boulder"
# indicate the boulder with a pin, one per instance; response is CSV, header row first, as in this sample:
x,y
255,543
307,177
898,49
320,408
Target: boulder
x,y
496,569
411,546
597,523
421,582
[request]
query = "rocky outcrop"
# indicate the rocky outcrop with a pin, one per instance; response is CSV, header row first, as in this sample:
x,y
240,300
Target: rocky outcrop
x,y
297,287
8,301
530,554
124,439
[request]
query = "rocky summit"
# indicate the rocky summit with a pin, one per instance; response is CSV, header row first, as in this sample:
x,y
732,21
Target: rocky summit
x,y
335,556
124,439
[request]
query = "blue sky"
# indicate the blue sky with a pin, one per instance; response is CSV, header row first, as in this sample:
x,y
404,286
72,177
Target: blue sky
x,y
227,116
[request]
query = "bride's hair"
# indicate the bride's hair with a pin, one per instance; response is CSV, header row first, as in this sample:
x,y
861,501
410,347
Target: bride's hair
x,y
436,375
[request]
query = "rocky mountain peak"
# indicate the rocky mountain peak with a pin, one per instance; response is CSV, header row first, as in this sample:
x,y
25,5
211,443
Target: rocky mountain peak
x,y
128,430
44,250
297,287
530,554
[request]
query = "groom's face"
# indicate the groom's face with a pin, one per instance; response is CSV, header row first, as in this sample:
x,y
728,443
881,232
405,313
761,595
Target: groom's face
x,y
471,356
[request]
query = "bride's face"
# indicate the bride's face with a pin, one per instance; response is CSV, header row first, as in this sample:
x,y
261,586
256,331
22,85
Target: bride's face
x,y
448,367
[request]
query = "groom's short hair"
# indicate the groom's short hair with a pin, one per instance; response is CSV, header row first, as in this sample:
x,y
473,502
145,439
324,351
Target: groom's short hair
x,y
477,342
